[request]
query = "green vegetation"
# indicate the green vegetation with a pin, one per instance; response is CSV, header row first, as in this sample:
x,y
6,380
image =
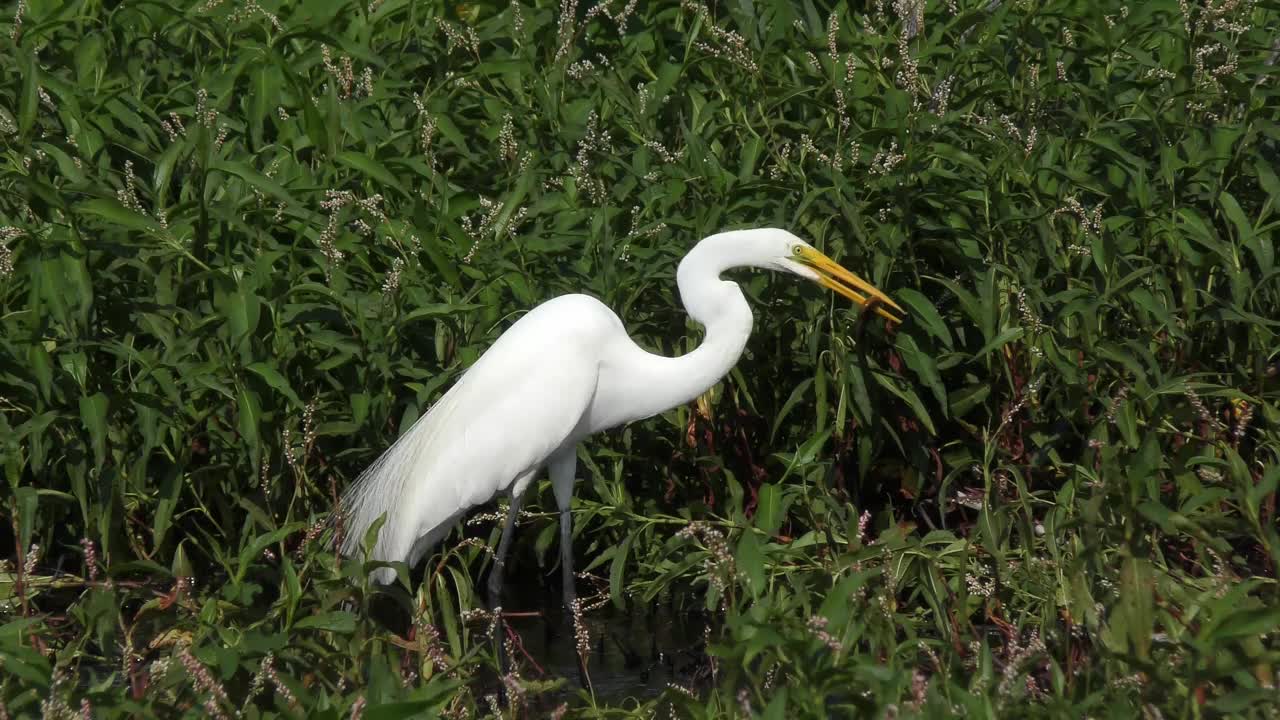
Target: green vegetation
x,y
242,246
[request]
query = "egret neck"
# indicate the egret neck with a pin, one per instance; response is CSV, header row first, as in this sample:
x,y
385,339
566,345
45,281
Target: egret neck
x,y
720,307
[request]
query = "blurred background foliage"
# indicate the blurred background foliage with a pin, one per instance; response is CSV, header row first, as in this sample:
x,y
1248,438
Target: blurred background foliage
x,y
243,246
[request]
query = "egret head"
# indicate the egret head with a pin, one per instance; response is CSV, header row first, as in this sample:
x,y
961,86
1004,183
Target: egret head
x,y
777,249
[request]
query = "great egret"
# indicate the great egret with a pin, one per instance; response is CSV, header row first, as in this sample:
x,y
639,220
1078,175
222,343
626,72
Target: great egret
x,y
564,371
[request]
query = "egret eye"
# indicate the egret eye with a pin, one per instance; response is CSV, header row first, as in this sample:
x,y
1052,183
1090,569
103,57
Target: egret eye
x,y
797,250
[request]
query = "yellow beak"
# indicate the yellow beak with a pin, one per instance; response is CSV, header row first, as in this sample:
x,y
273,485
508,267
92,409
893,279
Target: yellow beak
x,y
834,277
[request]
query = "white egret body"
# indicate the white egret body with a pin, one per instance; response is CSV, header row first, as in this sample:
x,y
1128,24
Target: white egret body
x,y
564,371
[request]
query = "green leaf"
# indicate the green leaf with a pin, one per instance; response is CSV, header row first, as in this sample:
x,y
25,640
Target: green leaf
x,y
1007,336
1158,514
797,394
250,415
241,308
41,367
1197,229
15,629
808,451
89,58
66,166
166,503
617,573
965,399
93,414
1252,622
835,608
1147,460
777,707
181,566
1110,144
275,380
163,171
116,214
406,709
338,621
1257,493
751,561
924,367
770,510
511,203
923,312
1270,183
450,131
265,83
370,167
432,310
29,101
253,550
973,308
28,501
1244,228
255,179
861,395
1137,604
750,154
910,397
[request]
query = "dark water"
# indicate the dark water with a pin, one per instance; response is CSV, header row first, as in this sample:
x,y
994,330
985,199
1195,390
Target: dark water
x,y
635,652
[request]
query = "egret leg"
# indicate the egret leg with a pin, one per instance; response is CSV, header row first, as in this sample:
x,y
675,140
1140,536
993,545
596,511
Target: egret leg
x,y
561,468
496,574
504,547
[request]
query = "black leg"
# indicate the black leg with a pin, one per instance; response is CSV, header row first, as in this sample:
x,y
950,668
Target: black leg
x,y
562,466
496,578
566,559
570,593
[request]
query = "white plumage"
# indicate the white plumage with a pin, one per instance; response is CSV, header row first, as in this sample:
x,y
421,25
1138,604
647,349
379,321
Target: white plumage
x,y
475,442
565,370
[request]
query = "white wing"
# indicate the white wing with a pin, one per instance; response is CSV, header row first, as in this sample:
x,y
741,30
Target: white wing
x,y
521,401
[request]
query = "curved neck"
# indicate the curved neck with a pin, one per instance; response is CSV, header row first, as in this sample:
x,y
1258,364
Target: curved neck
x,y
659,383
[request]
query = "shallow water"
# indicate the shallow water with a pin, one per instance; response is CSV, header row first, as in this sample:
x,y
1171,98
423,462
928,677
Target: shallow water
x,y
635,653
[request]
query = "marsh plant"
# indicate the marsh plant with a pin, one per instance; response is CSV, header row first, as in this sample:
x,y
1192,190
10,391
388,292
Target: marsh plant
x,y
244,244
